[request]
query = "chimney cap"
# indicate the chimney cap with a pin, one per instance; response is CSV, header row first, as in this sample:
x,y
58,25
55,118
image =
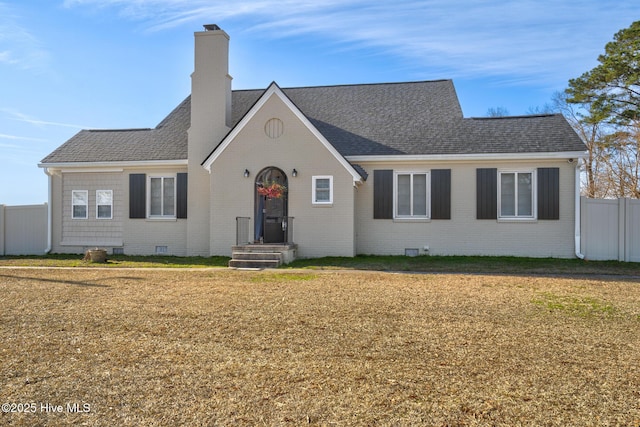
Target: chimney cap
x,y
211,27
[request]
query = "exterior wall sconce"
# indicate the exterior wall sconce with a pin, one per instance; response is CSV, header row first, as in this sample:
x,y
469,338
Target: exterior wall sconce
x,y
246,173
294,172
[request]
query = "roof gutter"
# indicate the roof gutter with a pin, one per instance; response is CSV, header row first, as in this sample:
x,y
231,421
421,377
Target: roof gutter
x,y
114,164
578,216
404,158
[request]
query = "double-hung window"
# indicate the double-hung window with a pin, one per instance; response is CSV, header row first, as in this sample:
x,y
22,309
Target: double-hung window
x,y
158,196
516,194
162,197
322,190
412,195
104,204
80,204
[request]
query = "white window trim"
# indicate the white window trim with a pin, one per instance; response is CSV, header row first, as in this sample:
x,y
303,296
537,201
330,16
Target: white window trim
x,y
111,205
86,197
428,195
534,195
175,196
313,190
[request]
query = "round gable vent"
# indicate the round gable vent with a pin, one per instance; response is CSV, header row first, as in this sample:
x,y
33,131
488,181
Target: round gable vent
x,y
274,128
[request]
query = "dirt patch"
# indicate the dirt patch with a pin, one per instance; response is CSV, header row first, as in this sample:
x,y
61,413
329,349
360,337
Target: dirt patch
x,y
142,347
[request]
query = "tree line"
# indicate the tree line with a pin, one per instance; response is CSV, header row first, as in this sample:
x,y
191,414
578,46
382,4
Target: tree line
x,y
603,106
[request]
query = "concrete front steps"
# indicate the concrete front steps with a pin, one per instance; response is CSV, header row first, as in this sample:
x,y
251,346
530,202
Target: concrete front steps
x,y
261,256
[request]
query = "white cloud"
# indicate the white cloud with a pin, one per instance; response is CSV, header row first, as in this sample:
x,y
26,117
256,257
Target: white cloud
x,y
56,124
18,138
5,56
523,40
18,47
18,116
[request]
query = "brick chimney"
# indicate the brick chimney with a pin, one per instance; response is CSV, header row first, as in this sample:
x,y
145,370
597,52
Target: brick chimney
x,y
210,122
210,90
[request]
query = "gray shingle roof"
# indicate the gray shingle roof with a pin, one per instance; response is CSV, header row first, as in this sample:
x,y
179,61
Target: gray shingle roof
x,y
369,119
167,141
522,134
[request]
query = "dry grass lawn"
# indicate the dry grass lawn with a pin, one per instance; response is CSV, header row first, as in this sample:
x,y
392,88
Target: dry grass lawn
x,y
156,348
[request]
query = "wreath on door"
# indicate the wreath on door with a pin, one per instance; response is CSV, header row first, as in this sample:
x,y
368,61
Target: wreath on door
x,y
272,190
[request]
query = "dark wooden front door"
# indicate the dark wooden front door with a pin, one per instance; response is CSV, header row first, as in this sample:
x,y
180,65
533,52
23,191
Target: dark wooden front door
x,y
270,212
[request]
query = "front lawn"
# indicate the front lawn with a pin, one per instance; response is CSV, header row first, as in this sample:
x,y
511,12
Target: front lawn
x,y
221,347
434,264
472,264
117,261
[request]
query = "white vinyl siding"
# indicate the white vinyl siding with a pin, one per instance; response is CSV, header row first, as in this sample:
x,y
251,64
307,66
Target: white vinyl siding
x,y
80,204
104,204
516,194
75,235
412,195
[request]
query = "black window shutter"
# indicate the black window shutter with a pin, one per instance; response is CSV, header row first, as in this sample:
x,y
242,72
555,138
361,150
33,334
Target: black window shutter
x,y
181,210
548,193
383,194
441,194
487,193
137,195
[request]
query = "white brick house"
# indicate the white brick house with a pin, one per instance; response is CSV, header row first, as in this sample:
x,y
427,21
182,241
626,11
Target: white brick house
x,y
368,169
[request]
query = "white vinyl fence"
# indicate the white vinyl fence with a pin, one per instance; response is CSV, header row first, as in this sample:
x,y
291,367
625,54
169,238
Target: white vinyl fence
x,y
610,229
23,230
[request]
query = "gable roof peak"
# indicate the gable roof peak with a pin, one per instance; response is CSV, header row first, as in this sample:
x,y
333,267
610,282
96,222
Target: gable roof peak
x,y
274,90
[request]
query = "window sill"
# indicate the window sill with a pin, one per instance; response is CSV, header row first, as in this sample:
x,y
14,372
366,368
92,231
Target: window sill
x,y
322,205
411,220
519,220
162,219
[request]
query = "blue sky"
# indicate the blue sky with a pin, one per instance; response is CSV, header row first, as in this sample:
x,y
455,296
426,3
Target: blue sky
x,y
72,64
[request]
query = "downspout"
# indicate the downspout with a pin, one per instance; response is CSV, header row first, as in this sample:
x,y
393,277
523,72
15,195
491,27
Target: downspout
x,y
49,212
577,220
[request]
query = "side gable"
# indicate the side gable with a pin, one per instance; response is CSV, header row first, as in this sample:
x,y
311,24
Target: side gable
x,y
274,90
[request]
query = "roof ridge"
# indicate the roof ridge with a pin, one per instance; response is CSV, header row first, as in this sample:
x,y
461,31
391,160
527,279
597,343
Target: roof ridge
x,y
118,130
349,85
523,116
